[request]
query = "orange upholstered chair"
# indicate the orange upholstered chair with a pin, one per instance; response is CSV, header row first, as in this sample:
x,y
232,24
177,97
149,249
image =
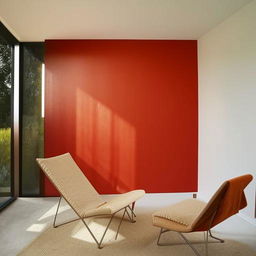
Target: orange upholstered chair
x,y
194,215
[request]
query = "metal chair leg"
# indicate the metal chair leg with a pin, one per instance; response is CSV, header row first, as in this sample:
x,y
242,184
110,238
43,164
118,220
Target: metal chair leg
x,y
99,243
130,217
55,217
189,244
216,238
132,210
206,243
158,240
105,232
120,224
56,214
93,236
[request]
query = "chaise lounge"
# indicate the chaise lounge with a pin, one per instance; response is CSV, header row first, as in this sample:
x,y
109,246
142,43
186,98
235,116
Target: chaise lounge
x,y
193,215
78,192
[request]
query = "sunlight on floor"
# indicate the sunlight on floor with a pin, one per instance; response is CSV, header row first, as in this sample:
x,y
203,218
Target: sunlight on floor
x,y
81,233
34,218
36,228
52,211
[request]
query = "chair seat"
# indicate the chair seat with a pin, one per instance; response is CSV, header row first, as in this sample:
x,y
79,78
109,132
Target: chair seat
x,y
115,204
179,217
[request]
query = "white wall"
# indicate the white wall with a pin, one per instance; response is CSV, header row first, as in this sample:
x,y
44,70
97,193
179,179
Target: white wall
x,y
227,104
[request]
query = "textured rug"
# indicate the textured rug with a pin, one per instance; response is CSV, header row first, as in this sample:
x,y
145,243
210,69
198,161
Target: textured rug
x,y
134,239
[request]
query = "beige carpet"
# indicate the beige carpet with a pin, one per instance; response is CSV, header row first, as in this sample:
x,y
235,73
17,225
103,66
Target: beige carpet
x,y
134,239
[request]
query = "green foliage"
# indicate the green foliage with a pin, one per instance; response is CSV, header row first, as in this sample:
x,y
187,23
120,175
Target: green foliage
x,y
5,84
32,122
5,154
5,113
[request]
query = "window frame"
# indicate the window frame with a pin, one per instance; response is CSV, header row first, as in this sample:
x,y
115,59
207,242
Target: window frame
x,y
10,39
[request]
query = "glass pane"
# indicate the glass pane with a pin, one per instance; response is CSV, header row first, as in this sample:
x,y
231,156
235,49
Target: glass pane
x,y
6,60
32,118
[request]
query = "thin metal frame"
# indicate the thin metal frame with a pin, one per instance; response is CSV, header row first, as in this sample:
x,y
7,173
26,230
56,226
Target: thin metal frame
x,y
10,39
98,242
206,241
190,244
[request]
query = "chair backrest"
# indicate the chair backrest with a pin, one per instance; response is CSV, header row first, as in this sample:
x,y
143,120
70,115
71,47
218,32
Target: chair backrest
x,y
227,201
70,181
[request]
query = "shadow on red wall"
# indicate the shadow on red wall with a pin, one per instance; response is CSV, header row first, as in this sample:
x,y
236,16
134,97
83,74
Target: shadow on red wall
x,y
126,111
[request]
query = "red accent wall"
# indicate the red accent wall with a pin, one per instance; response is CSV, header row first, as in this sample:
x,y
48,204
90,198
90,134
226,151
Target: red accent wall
x,y
126,110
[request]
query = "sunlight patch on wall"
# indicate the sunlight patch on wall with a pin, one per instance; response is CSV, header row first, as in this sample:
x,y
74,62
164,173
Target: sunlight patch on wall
x,y
106,141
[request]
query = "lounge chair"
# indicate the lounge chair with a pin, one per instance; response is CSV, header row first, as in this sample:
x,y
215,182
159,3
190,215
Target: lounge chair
x,y
78,192
193,215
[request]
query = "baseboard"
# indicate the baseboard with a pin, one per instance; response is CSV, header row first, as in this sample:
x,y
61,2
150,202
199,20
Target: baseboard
x,y
248,219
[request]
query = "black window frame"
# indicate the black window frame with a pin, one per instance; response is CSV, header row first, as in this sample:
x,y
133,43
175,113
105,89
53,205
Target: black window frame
x,y
10,39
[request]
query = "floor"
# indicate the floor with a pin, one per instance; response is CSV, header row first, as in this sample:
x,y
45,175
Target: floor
x,y
3,199
27,218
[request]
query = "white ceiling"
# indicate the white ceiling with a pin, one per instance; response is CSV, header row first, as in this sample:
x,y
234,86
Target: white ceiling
x,y
37,20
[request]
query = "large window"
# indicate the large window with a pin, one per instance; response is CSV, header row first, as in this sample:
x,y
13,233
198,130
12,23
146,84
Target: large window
x,y
6,115
21,117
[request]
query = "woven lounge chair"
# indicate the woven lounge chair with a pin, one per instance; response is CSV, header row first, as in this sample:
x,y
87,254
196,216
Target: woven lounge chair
x,y
193,215
78,192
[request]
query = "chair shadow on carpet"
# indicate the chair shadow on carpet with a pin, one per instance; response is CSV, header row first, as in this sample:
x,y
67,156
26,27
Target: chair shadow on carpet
x,y
134,239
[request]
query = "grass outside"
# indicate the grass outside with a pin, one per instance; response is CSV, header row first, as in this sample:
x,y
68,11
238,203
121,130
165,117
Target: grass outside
x,y
5,155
